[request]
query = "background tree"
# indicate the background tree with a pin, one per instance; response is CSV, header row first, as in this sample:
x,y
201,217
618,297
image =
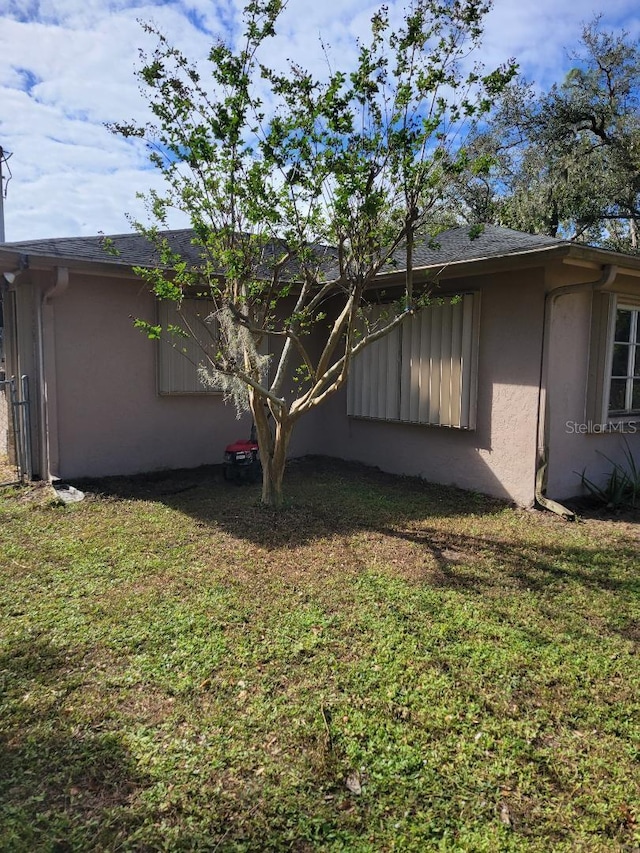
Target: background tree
x,y
300,192
566,162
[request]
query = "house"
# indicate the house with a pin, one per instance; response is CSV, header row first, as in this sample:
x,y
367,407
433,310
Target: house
x,y
524,374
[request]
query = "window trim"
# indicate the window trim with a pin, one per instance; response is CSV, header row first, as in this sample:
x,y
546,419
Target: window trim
x,y
634,332
604,312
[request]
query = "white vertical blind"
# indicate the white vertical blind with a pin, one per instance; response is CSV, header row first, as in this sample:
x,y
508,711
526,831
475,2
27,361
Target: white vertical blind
x,y
424,372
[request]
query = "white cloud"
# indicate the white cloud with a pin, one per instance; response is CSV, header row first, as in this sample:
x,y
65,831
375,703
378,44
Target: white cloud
x,y
66,68
541,35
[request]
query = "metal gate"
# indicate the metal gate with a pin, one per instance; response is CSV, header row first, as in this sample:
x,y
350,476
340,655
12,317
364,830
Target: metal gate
x,y
15,431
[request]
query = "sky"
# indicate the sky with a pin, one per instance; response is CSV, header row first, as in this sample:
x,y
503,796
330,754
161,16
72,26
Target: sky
x,y
67,69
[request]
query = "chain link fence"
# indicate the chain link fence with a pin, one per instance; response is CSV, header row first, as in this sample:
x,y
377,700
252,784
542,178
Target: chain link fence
x,y
8,470
15,431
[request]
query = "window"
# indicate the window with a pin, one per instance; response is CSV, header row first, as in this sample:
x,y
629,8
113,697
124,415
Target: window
x,y
424,372
613,390
179,357
624,388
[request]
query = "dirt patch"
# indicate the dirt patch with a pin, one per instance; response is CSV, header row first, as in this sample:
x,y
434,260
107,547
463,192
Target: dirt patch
x,y
589,509
8,472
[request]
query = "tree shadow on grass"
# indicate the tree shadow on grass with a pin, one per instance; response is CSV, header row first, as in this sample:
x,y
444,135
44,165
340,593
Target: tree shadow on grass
x,y
64,786
532,569
323,497
485,566
329,499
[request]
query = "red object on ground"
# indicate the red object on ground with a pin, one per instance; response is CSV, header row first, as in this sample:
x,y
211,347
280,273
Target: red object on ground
x,y
242,461
242,446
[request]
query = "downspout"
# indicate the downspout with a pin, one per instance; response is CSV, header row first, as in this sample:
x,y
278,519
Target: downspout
x,y
60,284
607,277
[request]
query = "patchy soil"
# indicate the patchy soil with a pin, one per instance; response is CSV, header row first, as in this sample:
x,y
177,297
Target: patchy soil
x,y
8,473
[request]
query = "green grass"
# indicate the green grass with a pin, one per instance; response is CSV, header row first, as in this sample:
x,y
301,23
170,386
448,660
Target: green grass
x,y
384,665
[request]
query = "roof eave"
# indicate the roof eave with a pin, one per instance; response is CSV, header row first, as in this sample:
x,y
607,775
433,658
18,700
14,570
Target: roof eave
x,y
569,253
10,259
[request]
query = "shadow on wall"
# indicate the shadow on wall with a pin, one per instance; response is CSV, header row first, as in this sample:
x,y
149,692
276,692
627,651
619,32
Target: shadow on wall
x,y
496,458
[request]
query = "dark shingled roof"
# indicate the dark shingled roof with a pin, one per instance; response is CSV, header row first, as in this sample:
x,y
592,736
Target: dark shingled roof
x,y
492,241
133,249
451,246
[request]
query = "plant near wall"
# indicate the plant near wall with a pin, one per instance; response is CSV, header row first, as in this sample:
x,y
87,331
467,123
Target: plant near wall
x,y
622,488
301,190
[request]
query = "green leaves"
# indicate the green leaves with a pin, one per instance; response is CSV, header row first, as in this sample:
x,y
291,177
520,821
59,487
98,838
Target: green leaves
x,y
153,332
300,187
546,153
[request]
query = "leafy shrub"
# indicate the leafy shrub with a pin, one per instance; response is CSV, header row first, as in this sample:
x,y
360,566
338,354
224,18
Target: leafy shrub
x,y
623,484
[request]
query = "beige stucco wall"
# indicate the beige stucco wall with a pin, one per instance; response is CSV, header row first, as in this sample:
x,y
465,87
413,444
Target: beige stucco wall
x,y
95,409
105,415
109,418
576,442
498,457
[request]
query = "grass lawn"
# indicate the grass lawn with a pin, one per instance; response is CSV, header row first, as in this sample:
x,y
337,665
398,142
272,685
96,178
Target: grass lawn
x,y
384,665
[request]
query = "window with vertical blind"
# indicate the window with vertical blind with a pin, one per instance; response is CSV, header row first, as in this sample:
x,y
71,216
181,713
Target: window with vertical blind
x,y
179,357
425,371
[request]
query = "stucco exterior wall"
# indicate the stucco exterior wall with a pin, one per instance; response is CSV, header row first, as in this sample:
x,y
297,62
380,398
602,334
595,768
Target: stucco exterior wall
x,y
104,415
576,442
108,417
498,457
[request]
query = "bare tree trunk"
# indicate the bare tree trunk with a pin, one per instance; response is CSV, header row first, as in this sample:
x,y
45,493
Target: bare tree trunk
x,y
273,473
273,449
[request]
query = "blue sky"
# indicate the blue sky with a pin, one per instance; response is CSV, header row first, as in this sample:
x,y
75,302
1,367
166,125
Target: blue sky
x,y
66,68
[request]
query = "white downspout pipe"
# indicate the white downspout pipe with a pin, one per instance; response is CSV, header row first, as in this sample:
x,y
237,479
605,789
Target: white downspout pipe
x,y
606,279
60,284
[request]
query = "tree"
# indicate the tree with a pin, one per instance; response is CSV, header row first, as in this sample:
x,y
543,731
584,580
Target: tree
x,y
301,191
567,162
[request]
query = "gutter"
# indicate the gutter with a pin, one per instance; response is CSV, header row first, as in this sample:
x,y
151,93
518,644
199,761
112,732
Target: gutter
x,y
606,279
59,285
565,252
